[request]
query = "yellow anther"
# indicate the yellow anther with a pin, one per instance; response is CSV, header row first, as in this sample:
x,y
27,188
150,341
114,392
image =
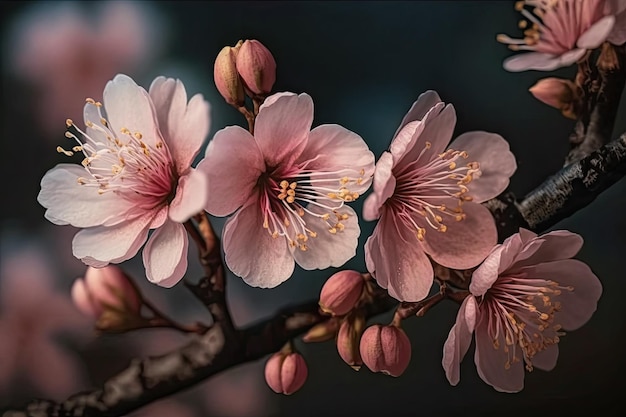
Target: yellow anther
x,y
275,234
291,192
69,122
467,198
69,135
266,224
522,24
282,196
77,148
332,230
89,123
286,222
63,151
362,172
125,131
81,181
302,237
459,217
103,121
331,195
85,162
293,185
90,101
98,104
452,165
345,216
340,226
443,228
438,218
138,135
159,145
326,216
344,180
312,233
303,247
300,211
284,184
290,199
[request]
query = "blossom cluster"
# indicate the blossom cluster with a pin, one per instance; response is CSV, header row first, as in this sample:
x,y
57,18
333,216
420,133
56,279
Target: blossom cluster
x,y
286,188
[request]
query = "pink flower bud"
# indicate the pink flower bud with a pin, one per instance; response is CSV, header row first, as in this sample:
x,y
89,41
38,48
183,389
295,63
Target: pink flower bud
x,y
341,292
226,77
257,67
386,349
559,93
285,373
105,289
348,340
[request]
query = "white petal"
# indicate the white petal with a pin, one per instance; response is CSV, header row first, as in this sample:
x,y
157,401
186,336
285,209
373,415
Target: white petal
x,y
100,245
69,202
129,106
165,255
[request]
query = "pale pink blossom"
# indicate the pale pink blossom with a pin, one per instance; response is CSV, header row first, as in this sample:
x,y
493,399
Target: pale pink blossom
x,y
288,186
136,176
559,32
67,53
427,197
32,315
525,293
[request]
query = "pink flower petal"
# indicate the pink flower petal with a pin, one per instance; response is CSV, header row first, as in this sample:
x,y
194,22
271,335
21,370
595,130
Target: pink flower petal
x,y
326,249
333,148
418,110
395,258
232,151
165,255
282,127
384,184
113,244
191,196
184,126
69,202
533,61
486,274
578,305
466,243
437,130
553,246
251,252
129,106
459,340
618,34
546,359
490,362
497,163
596,34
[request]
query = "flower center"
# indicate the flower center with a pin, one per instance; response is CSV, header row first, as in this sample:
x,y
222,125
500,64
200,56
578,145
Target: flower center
x,y
288,198
422,188
521,312
554,26
126,165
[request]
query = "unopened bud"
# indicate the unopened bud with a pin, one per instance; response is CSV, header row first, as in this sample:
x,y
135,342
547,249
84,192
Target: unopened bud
x,y
348,340
286,372
559,93
322,332
257,67
385,349
341,292
107,295
226,77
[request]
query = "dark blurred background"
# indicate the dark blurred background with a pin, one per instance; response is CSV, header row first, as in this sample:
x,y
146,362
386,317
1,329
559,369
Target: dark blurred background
x,y
364,63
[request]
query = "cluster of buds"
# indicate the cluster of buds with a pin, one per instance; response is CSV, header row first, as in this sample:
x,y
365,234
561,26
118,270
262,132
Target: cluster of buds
x,y
384,349
109,296
246,67
286,371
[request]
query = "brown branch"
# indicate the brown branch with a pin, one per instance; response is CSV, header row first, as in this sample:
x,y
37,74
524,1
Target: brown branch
x,y
601,85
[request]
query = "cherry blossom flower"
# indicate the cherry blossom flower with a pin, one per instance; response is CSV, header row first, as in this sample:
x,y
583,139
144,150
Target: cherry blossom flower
x,y
559,32
525,293
68,53
289,187
427,199
135,176
32,314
